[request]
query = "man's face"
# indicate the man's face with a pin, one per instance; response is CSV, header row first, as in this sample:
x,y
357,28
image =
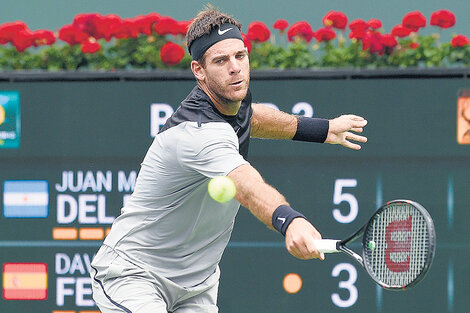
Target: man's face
x,y
227,71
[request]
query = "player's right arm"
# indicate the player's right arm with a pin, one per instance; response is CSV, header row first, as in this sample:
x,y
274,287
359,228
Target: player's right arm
x,y
262,200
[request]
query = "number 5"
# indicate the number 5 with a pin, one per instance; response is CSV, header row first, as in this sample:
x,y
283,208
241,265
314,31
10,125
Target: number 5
x,y
339,196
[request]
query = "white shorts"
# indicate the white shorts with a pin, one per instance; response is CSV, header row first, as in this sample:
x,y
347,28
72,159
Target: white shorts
x,y
120,286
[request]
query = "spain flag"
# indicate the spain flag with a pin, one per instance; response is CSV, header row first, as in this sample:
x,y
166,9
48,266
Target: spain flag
x,y
24,281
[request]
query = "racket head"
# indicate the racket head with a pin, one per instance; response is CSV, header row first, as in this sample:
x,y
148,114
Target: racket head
x,y
399,244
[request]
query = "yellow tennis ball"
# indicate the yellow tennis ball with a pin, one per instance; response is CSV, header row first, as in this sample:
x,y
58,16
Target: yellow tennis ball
x,y
222,189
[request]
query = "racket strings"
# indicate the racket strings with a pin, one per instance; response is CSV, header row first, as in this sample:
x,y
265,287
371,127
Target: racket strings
x,y
400,238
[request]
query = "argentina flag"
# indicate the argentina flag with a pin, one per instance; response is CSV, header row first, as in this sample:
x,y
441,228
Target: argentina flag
x,y
25,199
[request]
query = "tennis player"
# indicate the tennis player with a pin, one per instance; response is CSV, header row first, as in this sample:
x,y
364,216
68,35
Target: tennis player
x,y
163,251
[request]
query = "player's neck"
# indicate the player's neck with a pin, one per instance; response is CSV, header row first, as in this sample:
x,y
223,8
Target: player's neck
x,y
224,106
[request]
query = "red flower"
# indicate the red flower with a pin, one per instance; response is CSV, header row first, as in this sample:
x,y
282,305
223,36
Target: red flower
x,y
86,22
9,30
300,29
144,23
171,53
389,41
23,40
43,37
414,20
247,42
401,31
443,19
459,41
125,29
325,34
258,31
374,23
97,25
281,25
358,34
335,19
183,27
414,45
167,25
358,25
104,26
372,41
72,35
121,31
91,47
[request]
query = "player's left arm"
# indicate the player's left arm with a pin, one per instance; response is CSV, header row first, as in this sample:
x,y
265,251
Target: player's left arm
x,y
263,200
273,124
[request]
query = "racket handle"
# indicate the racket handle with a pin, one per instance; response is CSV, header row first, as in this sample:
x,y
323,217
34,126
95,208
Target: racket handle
x,y
327,245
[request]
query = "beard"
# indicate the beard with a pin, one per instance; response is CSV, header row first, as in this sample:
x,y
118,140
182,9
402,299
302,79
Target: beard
x,y
227,94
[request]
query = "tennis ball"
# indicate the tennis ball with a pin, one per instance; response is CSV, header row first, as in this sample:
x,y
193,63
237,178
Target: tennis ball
x,y
371,245
222,189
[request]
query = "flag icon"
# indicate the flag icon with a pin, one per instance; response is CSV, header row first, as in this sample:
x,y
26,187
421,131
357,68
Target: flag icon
x,y
26,198
25,281
10,119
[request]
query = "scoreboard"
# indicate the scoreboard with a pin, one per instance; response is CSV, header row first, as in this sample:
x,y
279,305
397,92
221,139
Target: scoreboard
x,y
71,146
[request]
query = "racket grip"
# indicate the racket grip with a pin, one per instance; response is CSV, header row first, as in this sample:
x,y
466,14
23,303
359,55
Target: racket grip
x,y
327,245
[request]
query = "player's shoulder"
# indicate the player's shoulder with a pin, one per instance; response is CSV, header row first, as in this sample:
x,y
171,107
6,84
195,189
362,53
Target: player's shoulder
x,y
218,130
199,137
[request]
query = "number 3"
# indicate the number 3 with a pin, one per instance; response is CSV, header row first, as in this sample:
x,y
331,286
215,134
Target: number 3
x,y
345,284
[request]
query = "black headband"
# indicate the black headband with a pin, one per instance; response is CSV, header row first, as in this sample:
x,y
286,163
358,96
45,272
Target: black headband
x,y
201,44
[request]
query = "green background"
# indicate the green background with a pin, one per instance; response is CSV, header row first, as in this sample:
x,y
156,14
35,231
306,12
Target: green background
x,y
52,14
94,125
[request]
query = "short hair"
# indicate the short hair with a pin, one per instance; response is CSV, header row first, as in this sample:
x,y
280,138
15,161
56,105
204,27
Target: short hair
x,y
204,22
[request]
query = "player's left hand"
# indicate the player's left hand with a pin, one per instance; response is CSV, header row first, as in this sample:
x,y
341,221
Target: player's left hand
x,y
341,128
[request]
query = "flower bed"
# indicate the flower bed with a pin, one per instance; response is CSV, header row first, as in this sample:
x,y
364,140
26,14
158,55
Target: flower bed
x,y
96,42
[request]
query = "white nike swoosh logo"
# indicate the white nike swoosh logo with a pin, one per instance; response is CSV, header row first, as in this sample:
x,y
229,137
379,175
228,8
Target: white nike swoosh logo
x,y
221,32
282,219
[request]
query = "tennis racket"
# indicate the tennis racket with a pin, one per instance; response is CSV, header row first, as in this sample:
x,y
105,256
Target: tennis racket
x,y
398,244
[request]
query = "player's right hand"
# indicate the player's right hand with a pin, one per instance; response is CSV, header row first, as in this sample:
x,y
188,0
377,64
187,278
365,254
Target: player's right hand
x,y
300,237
